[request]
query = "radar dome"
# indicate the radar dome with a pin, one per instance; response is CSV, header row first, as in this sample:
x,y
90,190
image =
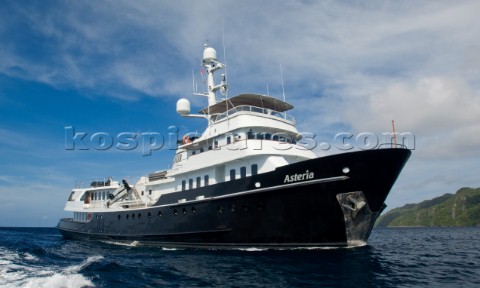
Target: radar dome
x,y
183,106
209,54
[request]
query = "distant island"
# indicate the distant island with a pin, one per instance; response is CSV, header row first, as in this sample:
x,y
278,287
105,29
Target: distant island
x,y
461,209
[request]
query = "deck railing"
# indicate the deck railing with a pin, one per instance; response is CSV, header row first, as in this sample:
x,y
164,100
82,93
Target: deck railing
x,y
254,109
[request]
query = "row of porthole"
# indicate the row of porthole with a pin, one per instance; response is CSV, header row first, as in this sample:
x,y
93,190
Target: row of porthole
x,y
193,210
244,208
159,214
139,216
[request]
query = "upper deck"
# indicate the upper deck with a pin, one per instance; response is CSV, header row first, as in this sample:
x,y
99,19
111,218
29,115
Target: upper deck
x,y
256,100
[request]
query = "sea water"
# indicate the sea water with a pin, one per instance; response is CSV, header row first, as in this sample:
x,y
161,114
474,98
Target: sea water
x,y
394,257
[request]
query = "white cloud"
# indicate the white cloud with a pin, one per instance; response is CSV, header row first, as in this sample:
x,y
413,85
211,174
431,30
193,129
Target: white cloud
x,y
346,65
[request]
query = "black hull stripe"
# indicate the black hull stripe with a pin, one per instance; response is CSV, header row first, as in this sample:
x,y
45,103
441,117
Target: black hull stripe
x,y
260,190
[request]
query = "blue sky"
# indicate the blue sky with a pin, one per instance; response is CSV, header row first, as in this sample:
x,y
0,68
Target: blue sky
x,y
120,66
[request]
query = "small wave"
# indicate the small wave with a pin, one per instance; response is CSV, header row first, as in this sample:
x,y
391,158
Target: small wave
x,y
171,249
18,271
252,249
29,257
77,268
129,244
59,280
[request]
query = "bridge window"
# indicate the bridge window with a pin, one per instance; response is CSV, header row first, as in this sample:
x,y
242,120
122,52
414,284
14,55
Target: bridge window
x,y
243,172
184,184
254,169
199,180
206,180
250,135
190,183
232,174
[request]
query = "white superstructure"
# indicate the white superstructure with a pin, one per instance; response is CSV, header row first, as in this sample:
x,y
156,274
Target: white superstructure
x,y
246,135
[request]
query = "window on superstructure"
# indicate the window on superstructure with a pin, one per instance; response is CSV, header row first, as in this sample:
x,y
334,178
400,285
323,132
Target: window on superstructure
x,y
199,181
250,135
206,180
201,150
229,140
243,172
150,192
258,110
184,184
232,174
268,136
104,195
254,169
71,196
190,183
215,144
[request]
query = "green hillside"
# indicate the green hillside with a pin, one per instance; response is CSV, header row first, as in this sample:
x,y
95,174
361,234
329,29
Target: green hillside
x,y
459,209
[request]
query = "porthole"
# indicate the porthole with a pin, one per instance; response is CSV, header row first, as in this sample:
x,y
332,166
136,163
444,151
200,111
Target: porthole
x,y
149,215
220,209
232,207
260,206
139,216
159,214
184,211
346,170
175,211
257,184
194,210
119,217
128,216
133,216
245,207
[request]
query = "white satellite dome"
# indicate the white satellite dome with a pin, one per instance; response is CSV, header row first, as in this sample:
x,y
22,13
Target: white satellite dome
x,y
209,54
183,106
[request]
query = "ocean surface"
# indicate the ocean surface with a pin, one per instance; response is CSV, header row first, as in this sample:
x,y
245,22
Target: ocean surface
x,y
394,257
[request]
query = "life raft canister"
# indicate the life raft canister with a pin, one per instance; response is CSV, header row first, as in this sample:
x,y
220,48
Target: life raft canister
x,y
186,139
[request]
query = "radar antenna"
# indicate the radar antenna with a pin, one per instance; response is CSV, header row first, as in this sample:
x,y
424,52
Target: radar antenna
x,y
211,64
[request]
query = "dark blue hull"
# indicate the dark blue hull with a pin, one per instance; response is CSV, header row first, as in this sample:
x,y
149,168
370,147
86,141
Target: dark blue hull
x,y
316,202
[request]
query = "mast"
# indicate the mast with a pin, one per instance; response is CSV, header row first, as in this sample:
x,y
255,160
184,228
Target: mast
x,y
211,64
